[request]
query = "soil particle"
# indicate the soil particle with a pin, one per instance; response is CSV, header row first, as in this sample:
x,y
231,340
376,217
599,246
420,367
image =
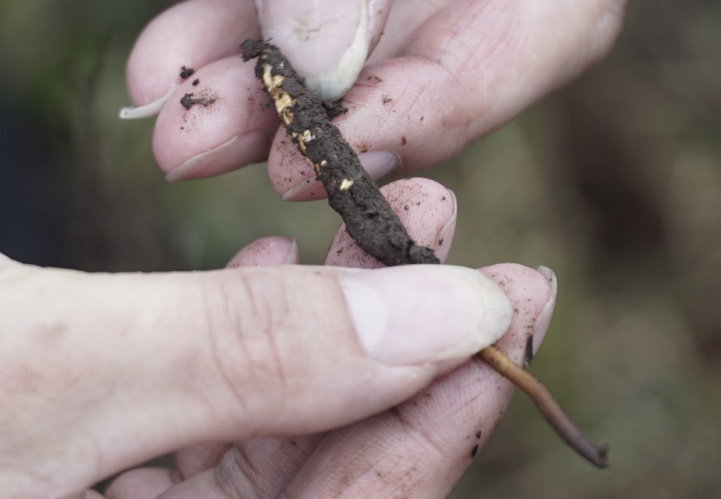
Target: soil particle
x,y
386,99
404,141
529,350
188,101
474,451
196,82
478,434
186,72
374,79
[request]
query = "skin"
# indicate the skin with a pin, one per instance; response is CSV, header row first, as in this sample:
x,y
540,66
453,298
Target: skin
x,y
467,67
106,371
102,372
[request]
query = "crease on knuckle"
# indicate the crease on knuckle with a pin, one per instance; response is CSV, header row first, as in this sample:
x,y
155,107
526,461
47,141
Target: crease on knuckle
x,y
244,343
423,437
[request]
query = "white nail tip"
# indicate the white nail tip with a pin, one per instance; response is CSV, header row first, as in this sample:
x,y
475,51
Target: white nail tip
x,y
181,172
333,83
550,276
544,318
451,223
293,257
148,110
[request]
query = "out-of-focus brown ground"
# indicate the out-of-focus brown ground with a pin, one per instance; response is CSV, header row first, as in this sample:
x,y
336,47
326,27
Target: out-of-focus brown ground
x,y
613,182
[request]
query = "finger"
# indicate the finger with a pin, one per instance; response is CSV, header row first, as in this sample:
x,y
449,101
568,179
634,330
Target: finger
x,y
421,448
265,252
190,34
6,262
468,70
142,483
215,123
261,253
328,41
427,210
256,467
185,358
418,449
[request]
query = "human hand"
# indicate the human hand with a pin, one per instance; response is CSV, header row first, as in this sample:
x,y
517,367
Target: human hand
x,y
443,74
102,372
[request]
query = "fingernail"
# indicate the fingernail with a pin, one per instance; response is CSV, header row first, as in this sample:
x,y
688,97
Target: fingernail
x,y
307,190
377,163
416,314
241,150
443,242
293,257
152,109
327,47
544,318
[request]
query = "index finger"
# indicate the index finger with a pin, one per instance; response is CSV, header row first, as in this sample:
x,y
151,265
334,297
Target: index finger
x,y
189,35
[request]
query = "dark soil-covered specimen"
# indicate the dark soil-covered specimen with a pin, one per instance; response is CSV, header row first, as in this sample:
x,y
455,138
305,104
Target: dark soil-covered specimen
x,y
369,219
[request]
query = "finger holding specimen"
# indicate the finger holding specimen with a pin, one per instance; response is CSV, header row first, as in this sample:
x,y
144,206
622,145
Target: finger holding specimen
x,y
183,39
214,124
427,210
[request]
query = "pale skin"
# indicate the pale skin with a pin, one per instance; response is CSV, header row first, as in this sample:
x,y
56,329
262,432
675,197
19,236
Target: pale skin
x,y
102,372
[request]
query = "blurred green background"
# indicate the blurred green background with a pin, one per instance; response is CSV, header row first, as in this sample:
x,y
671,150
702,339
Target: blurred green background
x,y
614,182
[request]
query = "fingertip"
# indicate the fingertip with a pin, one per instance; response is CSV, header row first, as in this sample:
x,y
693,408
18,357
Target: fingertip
x,y
426,208
533,296
241,150
190,34
214,123
266,252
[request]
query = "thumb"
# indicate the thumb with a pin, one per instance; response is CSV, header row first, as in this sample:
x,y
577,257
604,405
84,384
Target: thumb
x,y
104,371
326,41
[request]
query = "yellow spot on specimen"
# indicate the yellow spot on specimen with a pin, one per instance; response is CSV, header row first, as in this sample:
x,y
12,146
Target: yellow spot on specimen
x,y
272,82
345,184
305,137
280,97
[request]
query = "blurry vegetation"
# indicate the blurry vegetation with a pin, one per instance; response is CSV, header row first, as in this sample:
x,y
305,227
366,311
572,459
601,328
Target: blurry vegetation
x,y
613,182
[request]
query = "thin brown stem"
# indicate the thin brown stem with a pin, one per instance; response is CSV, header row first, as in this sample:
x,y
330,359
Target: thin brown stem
x,y
548,406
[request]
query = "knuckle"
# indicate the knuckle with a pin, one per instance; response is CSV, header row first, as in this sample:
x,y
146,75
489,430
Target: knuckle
x,y
245,324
